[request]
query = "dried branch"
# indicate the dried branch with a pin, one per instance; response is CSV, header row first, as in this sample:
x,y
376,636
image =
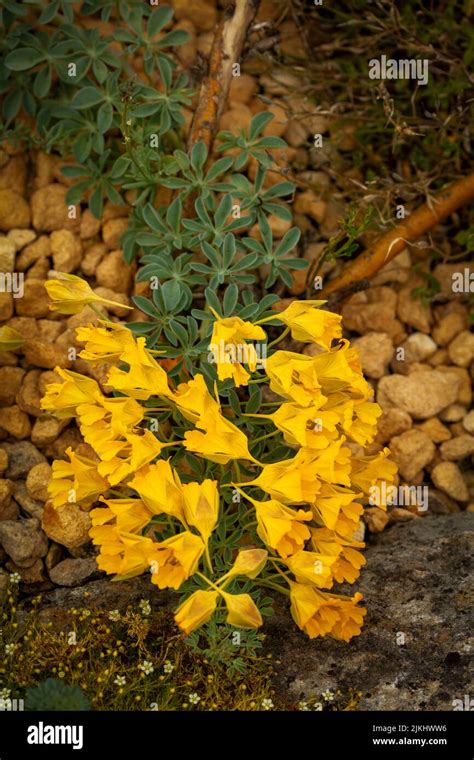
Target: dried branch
x,y
410,229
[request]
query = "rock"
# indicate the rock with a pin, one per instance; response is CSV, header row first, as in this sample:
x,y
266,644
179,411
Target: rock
x,y
7,255
54,555
373,311
392,422
376,519
70,437
203,14
418,347
376,351
468,422
67,525
465,387
412,312
92,257
411,451
448,478
90,226
6,306
46,355
46,430
461,349
9,511
458,448
30,506
114,273
448,327
34,302
236,118
112,231
50,211
20,238
421,394
397,270
23,541
3,584
28,397
32,574
14,211
430,596
10,383
453,413
440,503
13,175
74,572
6,490
435,430
22,456
307,203
40,249
448,275
66,249
399,514
37,481
242,89
111,295
3,461
15,422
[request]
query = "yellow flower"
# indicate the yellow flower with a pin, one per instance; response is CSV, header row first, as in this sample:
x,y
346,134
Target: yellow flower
x,y
75,481
174,560
201,506
312,567
358,419
348,561
368,473
249,562
221,440
10,339
331,501
309,323
158,485
193,399
306,426
280,527
64,398
104,420
196,610
318,614
69,294
294,377
339,370
130,515
144,378
120,459
229,350
121,553
242,611
104,344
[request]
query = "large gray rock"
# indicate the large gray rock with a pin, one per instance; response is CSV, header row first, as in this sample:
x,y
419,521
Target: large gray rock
x,y
416,583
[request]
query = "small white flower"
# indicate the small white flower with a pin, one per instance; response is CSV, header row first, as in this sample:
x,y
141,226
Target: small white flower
x,y
145,606
15,578
168,667
114,615
303,706
120,680
327,695
129,122
146,667
10,649
194,698
5,693
267,704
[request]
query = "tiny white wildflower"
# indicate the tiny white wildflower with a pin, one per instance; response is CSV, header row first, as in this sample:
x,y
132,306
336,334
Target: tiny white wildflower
x,y
146,667
10,649
15,578
120,680
194,698
5,693
114,615
327,695
303,706
145,606
267,704
168,667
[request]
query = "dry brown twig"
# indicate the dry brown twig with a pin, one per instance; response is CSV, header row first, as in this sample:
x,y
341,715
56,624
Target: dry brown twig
x,y
408,231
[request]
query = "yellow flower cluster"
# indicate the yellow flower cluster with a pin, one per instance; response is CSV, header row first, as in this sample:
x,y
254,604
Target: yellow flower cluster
x,y
305,509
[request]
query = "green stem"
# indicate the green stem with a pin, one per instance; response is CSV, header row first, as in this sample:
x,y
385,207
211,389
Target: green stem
x,y
264,437
277,340
274,586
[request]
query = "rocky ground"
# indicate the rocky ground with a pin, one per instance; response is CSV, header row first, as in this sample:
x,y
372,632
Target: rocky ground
x,y
419,358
